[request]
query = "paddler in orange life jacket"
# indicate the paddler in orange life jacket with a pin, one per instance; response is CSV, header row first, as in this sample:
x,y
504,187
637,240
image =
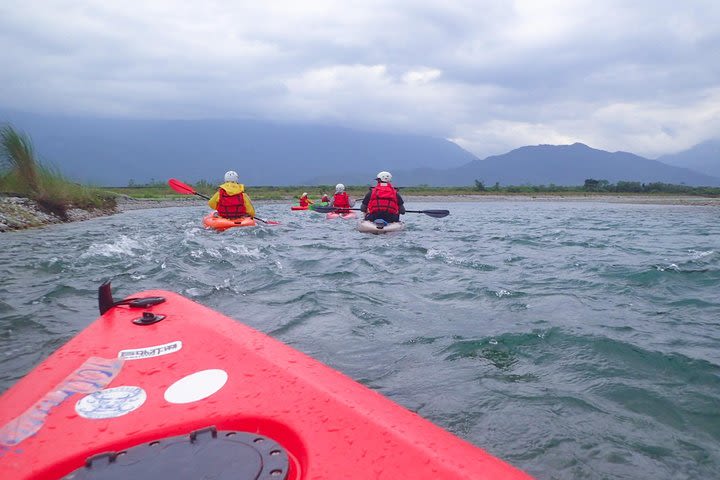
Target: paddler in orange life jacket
x,y
341,199
230,200
383,201
305,201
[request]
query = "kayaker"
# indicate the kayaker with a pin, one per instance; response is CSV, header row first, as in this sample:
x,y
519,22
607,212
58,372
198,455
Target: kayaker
x,y
341,199
305,201
325,198
230,200
383,201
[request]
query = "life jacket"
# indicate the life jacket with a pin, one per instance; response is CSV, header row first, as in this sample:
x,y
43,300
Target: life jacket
x,y
231,206
304,202
341,200
325,198
383,199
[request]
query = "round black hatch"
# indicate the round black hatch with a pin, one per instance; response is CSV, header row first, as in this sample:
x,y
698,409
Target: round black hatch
x,y
206,453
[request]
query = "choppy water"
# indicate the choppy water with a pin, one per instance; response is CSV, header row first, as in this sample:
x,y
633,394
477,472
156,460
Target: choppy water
x,y
574,340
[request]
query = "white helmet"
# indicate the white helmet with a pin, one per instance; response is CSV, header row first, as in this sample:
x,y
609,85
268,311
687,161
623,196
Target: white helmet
x,y
231,176
384,176
339,187
304,194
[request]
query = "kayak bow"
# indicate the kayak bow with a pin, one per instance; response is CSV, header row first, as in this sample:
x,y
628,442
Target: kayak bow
x,y
159,383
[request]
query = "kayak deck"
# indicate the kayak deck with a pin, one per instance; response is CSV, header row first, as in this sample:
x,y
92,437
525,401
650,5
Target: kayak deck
x,y
138,375
367,226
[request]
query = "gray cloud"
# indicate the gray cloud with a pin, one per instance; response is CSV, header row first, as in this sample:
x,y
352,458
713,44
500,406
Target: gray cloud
x,y
640,76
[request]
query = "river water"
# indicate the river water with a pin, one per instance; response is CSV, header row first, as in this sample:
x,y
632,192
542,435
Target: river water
x,y
574,340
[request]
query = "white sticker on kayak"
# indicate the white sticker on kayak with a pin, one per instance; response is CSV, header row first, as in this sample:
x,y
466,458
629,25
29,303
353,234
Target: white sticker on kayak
x,y
197,386
148,352
111,402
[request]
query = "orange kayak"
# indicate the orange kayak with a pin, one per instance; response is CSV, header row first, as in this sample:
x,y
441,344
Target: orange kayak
x,y
221,224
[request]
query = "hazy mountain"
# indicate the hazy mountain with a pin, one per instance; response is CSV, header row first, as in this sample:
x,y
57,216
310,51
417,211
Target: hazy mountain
x,y
113,151
703,158
546,164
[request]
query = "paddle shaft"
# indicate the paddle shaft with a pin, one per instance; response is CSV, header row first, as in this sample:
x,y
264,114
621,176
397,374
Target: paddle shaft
x,y
185,189
431,213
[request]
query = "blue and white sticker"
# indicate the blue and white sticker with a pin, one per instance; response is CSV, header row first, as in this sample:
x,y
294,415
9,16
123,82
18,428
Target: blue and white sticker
x,y
111,402
149,352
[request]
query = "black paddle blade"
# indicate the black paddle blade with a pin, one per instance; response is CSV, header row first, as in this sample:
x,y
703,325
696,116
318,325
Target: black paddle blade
x,y
437,213
431,213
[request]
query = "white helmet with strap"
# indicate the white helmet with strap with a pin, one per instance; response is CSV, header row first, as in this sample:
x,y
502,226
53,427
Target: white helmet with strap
x,y
339,188
231,176
384,176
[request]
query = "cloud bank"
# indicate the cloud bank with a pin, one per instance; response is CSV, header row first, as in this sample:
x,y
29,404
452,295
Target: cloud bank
x,y
638,76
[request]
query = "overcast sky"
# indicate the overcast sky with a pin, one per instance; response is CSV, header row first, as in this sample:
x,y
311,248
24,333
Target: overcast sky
x,y
641,76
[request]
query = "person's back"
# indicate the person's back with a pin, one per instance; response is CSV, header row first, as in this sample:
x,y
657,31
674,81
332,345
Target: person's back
x,y
383,201
230,200
341,199
305,201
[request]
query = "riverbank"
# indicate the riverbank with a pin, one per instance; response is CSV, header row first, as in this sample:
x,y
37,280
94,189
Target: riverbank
x,y
598,197
17,213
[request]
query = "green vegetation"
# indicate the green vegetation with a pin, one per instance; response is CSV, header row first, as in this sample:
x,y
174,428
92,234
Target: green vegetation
x,y
22,174
160,190
592,185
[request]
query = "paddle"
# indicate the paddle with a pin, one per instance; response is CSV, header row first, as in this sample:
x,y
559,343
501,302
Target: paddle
x,y
431,213
186,189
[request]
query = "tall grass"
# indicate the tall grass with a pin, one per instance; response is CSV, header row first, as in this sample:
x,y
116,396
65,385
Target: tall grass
x,y
16,155
21,173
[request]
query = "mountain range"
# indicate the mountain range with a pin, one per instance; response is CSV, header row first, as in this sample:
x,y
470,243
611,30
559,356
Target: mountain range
x,y
115,152
551,164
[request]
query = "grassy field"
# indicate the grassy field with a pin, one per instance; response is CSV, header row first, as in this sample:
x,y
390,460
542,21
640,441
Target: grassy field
x,y
290,193
159,191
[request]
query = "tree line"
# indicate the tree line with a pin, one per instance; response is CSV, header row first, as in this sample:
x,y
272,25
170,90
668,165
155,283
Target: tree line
x,y
601,186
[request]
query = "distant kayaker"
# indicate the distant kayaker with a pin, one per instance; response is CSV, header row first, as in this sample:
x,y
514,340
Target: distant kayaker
x,y
305,201
383,201
325,198
341,199
230,200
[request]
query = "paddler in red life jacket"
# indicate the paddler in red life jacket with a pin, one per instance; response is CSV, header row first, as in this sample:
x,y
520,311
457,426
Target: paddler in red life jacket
x,y
383,201
325,198
305,201
230,200
341,199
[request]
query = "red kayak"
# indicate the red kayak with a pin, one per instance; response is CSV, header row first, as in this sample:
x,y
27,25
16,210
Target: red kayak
x,y
162,387
298,207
